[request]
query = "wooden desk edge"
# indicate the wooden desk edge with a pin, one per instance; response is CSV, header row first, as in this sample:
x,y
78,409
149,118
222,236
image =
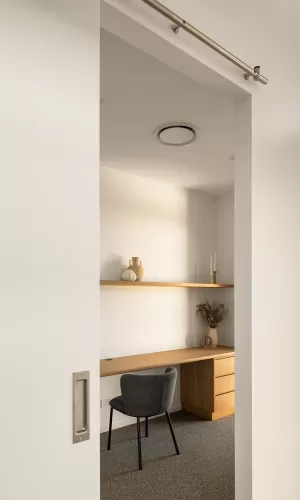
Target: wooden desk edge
x,y
210,355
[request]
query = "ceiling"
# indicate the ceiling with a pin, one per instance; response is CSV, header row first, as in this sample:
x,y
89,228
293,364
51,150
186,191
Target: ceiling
x,y
139,94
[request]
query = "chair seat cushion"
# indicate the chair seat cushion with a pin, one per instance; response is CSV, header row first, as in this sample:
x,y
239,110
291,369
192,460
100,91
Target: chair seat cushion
x,y
117,404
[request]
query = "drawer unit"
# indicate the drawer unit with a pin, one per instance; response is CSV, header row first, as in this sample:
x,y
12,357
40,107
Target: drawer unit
x,y
224,402
224,384
224,366
207,387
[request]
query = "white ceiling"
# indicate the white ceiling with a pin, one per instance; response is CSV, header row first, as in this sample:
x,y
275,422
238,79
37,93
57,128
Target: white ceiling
x,y
138,94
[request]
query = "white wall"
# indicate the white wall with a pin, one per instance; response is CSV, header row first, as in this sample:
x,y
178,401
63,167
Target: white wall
x,y
215,233
251,30
174,233
49,246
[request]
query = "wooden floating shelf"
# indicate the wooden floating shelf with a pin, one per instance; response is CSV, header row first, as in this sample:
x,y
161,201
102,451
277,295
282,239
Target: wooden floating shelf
x,y
171,284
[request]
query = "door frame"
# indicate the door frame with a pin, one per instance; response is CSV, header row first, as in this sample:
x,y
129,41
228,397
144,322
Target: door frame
x,y
151,33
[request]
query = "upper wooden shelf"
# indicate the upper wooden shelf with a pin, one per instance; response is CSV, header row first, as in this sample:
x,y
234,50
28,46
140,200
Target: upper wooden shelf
x,y
163,284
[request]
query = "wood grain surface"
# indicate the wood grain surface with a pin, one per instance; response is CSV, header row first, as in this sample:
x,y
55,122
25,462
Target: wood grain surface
x,y
138,362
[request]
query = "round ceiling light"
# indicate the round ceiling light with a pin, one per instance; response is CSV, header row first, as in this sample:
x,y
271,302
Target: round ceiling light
x,y
176,135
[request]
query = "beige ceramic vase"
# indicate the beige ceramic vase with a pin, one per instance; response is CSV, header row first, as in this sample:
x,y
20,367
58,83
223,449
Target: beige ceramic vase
x,y
135,264
212,338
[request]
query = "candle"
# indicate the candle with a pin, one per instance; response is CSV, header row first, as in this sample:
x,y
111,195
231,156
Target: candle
x,y
215,262
211,267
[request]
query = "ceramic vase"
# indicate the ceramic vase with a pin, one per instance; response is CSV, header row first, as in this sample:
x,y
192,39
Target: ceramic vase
x,y
212,338
128,275
135,264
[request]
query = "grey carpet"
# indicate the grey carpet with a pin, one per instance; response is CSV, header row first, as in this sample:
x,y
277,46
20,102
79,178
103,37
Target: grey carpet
x,y
204,470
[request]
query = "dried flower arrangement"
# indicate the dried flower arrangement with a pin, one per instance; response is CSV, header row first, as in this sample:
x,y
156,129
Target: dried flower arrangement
x,y
213,314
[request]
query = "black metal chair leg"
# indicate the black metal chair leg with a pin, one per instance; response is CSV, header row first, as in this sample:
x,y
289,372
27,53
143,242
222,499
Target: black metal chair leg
x,y
110,426
139,443
172,432
146,426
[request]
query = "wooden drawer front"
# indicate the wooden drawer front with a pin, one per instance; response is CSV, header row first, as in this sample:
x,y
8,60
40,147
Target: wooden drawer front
x,y
224,384
224,402
224,366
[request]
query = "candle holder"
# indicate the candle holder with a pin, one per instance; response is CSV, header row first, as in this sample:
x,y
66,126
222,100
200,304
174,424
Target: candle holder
x,y
213,278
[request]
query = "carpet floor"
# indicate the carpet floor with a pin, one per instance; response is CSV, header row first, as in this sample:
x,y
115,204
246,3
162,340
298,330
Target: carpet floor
x,y
204,470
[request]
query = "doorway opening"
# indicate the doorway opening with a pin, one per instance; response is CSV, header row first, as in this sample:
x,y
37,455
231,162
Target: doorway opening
x,y
173,179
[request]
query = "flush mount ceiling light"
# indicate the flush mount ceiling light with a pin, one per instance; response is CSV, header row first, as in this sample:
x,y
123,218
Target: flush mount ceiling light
x,y
176,135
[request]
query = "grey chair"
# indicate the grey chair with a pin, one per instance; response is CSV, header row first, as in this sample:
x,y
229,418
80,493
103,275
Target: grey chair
x,y
145,396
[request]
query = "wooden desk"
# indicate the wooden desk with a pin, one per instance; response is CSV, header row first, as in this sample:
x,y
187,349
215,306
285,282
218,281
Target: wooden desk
x,y
138,362
206,376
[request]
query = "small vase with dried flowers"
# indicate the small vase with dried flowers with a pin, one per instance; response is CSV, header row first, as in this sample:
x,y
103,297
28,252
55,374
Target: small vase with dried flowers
x,y
213,314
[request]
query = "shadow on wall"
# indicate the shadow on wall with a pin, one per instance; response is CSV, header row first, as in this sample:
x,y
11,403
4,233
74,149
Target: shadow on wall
x,y
210,229
201,243
196,326
191,336
112,267
201,234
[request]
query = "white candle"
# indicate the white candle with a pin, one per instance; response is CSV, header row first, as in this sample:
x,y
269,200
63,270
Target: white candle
x,y
211,268
215,262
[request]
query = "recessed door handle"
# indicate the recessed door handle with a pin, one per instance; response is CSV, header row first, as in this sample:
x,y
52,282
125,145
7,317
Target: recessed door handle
x,y
81,406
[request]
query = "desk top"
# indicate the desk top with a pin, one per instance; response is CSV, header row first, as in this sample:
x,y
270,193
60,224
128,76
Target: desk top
x,y
138,362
